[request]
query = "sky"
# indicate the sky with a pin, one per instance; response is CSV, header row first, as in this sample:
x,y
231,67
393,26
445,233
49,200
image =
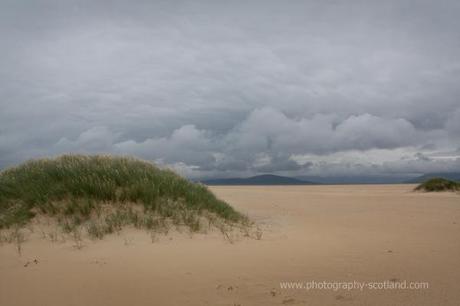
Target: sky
x,y
234,88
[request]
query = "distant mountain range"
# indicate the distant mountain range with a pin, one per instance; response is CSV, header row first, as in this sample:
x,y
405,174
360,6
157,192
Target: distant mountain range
x,y
453,176
270,179
266,179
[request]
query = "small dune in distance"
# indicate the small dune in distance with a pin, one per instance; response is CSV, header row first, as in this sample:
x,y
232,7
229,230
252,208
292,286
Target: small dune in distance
x,y
103,194
438,184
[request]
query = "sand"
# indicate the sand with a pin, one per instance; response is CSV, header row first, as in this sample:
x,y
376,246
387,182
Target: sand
x,y
368,234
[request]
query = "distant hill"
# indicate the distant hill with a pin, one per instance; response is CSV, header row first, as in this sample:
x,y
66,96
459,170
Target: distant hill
x,y
356,179
453,176
266,179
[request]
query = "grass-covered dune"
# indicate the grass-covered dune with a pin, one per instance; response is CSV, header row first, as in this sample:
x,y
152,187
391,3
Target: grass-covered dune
x,y
438,184
105,193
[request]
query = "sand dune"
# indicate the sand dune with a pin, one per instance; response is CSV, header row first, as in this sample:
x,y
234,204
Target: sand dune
x,y
368,234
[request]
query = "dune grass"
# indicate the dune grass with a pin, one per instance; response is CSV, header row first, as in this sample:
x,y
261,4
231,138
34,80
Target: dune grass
x,y
105,193
438,184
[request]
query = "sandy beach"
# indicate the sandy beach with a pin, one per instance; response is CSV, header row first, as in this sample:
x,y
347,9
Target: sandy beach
x,y
361,234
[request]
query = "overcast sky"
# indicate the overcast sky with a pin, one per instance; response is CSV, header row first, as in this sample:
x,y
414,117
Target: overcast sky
x,y
235,88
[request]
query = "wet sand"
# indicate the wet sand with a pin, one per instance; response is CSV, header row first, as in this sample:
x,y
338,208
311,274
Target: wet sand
x,y
369,234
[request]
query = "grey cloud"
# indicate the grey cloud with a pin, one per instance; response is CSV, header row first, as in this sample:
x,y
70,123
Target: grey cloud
x,y
269,129
453,124
408,167
97,139
218,88
281,163
186,144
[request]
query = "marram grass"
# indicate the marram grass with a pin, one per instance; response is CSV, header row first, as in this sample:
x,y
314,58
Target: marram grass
x,y
105,193
438,184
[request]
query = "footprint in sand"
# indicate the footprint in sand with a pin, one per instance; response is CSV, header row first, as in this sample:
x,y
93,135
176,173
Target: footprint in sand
x,y
288,301
343,298
229,288
99,262
35,261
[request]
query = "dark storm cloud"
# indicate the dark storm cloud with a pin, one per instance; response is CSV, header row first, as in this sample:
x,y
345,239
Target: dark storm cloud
x,y
241,87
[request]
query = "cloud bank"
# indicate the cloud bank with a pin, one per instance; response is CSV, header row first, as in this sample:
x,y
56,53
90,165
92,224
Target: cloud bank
x,y
220,89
